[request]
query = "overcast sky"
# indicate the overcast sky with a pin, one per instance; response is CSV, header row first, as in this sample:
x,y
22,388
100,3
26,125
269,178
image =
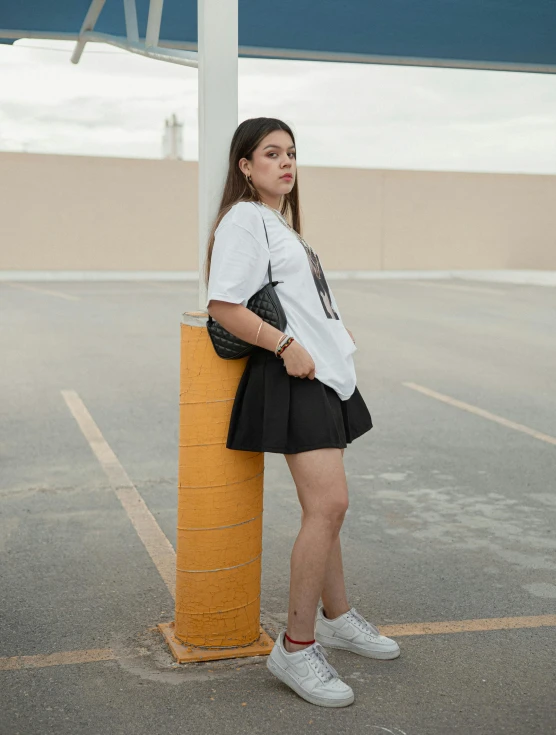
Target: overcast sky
x,y
115,103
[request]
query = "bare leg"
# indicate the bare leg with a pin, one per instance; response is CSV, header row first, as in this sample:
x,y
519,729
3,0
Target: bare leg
x,y
322,489
334,597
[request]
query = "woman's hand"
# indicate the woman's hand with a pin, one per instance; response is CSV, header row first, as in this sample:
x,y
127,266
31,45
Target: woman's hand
x,y
298,362
350,334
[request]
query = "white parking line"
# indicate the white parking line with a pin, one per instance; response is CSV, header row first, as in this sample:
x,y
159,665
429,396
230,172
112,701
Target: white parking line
x,y
157,545
58,294
457,287
481,412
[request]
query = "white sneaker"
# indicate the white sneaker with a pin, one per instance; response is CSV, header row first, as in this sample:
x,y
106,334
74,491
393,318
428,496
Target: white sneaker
x,y
353,633
309,674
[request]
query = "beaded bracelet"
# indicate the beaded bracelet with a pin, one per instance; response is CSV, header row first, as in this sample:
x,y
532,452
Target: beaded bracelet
x,y
284,346
284,338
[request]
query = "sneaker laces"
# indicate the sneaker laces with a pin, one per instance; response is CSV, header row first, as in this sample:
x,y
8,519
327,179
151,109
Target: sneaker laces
x,y
363,624
317,658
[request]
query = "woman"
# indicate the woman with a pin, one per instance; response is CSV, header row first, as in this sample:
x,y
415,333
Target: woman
x,y
297,396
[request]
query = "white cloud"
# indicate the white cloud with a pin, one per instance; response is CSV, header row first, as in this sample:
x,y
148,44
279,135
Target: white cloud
x,y
114,103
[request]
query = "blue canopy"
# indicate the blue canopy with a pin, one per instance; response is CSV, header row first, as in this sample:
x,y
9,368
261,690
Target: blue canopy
x,y
515,35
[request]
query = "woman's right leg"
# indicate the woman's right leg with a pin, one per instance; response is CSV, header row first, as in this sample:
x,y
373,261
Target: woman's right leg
x,y
320,480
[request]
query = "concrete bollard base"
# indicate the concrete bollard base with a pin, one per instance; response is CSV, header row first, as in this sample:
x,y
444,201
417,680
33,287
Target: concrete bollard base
x,y
183,653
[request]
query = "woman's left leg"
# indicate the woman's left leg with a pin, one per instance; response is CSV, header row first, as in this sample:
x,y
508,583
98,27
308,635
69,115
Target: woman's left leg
x,y
334,597
335,605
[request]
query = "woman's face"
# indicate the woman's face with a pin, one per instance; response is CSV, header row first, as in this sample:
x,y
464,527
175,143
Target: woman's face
x,y
273,166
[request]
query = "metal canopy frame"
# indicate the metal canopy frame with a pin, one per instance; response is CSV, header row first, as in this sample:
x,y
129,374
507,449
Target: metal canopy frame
x,y
497,35
132,42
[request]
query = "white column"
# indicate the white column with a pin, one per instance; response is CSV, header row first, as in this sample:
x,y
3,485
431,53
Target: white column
x,y
218,110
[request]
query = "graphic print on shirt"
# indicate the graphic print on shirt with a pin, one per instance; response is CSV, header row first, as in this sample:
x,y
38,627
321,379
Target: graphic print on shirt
x,y
321,285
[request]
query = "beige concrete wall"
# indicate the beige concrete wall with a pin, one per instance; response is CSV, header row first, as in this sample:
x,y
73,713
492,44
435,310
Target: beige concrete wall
x,y
86,213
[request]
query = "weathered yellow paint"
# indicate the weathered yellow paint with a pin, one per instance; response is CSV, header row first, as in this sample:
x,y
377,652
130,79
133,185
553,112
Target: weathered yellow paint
x,y
469,626
222,548
224,505
186,654
57,659
220,505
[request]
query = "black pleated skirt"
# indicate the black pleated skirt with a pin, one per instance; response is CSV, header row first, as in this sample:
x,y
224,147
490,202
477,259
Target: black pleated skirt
x,y
274,412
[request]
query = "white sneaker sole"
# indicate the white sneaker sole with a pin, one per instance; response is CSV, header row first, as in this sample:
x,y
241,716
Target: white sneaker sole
x,y
284,677
383,655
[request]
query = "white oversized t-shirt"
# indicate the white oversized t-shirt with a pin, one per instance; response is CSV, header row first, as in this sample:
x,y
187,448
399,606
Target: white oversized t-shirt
x,y
239,268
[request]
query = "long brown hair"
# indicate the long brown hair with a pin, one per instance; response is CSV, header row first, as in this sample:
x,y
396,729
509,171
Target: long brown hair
x,y
246,138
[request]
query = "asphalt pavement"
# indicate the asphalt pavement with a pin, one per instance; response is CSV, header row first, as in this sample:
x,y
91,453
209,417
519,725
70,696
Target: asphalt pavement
x,y
452,517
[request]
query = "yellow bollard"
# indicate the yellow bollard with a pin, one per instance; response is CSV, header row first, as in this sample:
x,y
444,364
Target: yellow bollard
x,y
220,507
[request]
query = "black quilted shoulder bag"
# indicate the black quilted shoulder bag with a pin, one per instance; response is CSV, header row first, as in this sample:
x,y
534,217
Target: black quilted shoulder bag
x,y
266,304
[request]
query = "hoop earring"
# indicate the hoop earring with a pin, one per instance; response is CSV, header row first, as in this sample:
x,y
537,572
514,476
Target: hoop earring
x,y
250,186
